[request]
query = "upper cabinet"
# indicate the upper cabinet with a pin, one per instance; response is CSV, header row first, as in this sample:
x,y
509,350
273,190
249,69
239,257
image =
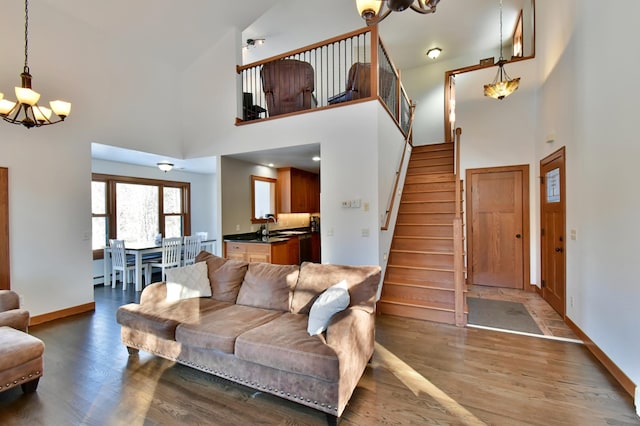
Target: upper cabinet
x,y
298,191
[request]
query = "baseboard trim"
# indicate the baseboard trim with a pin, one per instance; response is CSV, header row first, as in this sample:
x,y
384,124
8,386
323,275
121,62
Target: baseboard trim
x,y
615,371
63,313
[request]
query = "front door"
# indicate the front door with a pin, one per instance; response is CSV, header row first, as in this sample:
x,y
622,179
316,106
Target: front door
x,y
498,216
552,224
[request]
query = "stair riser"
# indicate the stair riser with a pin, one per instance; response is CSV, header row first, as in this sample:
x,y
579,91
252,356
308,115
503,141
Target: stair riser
x,y
434,218
428,163
433,169
424,231
430,178
422,244
431,186
432,148
417,313
423,260
429,196
426,207
441,279
418,296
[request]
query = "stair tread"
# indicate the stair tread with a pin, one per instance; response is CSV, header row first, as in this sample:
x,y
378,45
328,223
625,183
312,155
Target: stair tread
x,y
444,253
419,268
429,286
431,305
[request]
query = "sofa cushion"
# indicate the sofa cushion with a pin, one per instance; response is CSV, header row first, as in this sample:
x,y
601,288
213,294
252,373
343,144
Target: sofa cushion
x,y
225,275
188,282
284,344
330,302
268,286
162,319
315,278
219,329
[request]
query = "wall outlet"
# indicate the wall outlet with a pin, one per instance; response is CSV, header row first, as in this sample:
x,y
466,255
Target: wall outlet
x,y
237,227
571,301
330,232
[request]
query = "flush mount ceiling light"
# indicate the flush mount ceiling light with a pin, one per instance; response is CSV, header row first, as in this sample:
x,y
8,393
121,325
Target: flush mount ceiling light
x,y
165,166
26,110
502,85
434,52
373,11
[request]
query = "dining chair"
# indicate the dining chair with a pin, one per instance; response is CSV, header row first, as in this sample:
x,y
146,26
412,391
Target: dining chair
x,y
192,246
171,256
120,263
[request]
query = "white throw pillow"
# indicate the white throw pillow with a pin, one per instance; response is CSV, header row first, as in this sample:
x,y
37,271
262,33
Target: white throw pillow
x,y
188,282
330,302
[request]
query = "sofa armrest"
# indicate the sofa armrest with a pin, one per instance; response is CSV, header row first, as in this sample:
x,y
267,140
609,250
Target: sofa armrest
x,y
9,300
154,294
15,318
351,333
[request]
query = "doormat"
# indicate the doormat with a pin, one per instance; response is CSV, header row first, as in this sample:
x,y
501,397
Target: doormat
x,y
501,314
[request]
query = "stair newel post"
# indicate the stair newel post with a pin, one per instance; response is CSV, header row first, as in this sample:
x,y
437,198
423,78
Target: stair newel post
x,y
458,238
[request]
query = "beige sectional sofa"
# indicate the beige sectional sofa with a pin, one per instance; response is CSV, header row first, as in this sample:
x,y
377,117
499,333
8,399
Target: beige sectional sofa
x,y
253,329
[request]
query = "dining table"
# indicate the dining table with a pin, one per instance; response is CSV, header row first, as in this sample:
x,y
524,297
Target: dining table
x,y
140,250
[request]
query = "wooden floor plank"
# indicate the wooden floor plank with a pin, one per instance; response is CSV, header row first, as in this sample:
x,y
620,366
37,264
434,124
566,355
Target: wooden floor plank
x,y
421,373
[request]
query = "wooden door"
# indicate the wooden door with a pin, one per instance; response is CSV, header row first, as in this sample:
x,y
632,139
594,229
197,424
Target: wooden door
x,y
498,226
552,229
4,229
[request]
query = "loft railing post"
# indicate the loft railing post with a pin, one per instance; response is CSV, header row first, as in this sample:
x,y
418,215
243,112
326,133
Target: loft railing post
x,y
375,61
458,238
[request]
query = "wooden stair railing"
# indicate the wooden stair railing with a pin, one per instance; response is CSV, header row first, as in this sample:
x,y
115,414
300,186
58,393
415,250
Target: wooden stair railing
x,y
458,242
392,199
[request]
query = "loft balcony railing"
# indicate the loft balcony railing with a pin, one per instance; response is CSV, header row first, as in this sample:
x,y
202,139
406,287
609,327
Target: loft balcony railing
x,y
354,67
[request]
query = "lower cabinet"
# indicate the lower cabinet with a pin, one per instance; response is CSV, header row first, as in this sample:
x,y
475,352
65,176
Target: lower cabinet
x,y
282,253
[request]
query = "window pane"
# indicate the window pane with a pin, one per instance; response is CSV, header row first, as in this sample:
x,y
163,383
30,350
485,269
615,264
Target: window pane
x,y
172,200
173,226
98,197
137,212
99,233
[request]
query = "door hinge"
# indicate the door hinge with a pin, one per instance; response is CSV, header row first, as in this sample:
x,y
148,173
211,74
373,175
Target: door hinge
x,y
541,180
544,284
542,232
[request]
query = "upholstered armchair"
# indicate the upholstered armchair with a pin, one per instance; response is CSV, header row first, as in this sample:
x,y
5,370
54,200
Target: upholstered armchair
x,y
288,85
359,84
10,313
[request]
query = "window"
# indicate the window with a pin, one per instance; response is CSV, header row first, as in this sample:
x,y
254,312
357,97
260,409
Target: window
x,y
263,198
136,209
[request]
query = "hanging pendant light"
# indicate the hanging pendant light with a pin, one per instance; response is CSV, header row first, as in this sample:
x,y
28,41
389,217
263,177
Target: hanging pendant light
x,y
26,110
373,11
502,85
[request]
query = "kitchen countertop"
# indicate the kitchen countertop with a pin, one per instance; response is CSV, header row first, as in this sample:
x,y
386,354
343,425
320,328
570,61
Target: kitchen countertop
x,y
275,237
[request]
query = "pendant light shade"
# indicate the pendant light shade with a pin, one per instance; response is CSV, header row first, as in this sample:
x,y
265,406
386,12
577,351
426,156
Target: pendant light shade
x,y
374,11
502,85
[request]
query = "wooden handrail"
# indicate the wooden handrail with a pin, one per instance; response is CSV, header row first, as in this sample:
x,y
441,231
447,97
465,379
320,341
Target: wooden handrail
x,y
392,201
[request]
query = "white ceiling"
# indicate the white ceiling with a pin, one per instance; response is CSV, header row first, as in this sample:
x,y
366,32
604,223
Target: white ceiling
x,y
178,33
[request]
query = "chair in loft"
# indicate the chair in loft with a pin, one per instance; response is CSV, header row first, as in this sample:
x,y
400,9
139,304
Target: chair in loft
x,y
288,85
192,246
120,263
171,257
249,110
358,84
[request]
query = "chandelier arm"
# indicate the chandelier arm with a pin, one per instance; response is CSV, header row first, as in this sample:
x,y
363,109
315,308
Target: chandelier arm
x,y
379,17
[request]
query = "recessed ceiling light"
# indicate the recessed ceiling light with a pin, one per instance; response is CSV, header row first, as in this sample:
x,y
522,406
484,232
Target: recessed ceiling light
x,y
316,158
270,164
434,52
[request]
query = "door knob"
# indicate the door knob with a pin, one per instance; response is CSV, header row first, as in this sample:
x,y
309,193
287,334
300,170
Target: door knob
x,y
518,235
559,249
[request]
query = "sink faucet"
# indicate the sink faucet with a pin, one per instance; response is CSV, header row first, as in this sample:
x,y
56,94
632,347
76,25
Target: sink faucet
x,y
266,225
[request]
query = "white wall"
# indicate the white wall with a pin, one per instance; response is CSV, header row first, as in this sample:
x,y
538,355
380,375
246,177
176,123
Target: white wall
x,y
592,112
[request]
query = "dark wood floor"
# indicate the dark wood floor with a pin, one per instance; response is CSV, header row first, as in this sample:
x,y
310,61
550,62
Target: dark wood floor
x,y
422,373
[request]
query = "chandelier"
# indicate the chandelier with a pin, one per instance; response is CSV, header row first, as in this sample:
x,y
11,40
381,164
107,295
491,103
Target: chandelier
x,y
373,11
26,110
502,85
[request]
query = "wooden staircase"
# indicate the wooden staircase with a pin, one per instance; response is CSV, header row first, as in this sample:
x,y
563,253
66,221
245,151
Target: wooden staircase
x,y
420,276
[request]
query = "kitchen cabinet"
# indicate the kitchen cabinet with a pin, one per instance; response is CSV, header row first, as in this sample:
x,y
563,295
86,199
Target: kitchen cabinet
x,y
283,252
315,247
298,191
